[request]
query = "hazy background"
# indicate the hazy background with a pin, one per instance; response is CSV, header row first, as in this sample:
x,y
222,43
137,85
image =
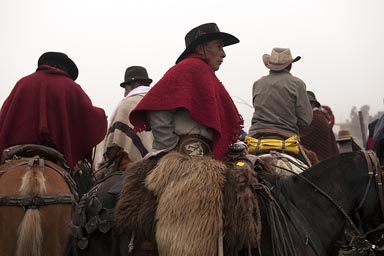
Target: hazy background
x,y
341,43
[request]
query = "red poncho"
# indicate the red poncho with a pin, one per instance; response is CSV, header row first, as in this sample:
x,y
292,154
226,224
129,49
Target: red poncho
x,y
49,104
193,85
319,137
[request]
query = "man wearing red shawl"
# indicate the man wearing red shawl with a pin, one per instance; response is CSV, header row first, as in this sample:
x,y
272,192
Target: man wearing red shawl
x,y
318,136
49,108
191,102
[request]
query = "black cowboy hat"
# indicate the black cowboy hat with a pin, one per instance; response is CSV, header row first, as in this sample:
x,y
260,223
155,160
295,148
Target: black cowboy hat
x,y
205,33
61,61
312,98
136,73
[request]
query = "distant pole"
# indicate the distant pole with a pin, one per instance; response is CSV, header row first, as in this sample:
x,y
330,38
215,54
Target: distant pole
x,y
362,127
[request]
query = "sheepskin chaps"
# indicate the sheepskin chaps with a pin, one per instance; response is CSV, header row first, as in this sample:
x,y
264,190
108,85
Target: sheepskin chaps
x,y
242,222
189,216
136,207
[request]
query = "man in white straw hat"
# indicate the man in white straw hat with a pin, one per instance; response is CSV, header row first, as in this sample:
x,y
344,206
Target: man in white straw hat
x,y
281,105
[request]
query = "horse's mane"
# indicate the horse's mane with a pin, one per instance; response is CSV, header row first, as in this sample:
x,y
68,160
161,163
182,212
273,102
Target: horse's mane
x,y
324,174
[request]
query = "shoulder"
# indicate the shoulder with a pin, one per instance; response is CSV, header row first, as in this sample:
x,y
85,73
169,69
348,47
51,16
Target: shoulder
x,y
320,117
192,64
297,80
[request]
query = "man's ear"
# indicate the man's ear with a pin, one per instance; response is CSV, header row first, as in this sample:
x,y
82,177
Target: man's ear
x,y
199,49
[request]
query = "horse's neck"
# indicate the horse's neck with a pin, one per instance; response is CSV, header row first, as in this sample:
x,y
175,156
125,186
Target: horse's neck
x,y
331,190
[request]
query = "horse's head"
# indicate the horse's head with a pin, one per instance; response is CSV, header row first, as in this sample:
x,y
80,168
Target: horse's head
x,y
369,214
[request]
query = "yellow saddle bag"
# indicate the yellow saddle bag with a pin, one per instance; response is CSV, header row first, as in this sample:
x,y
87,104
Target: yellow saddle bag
x,y
289,145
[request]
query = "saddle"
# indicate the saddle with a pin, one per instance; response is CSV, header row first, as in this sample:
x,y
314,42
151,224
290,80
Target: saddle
x,y
268,139
31,150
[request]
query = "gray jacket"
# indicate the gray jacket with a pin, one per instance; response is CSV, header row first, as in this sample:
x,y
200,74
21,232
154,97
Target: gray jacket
x,y
280,102
168,125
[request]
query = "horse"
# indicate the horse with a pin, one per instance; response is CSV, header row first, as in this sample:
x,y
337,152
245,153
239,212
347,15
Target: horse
x,y
337,203
338,199
37,200
91,226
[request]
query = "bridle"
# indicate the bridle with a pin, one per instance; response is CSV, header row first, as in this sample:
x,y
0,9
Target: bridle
x,y
358,239
375,173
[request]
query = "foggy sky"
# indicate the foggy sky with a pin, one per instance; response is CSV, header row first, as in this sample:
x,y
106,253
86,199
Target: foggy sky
x,y
340,42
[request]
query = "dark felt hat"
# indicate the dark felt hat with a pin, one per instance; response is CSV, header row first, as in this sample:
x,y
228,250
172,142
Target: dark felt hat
x,y
61,61
312,98
204,33
136,73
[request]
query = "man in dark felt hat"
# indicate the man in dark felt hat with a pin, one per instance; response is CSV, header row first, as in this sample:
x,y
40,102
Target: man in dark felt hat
x,y
122,145
49,108
280,100
318,136
189,109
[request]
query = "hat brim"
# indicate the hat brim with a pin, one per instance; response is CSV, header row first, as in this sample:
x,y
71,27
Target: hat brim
x,y
227,39
144,81
61,58
344,138
277,67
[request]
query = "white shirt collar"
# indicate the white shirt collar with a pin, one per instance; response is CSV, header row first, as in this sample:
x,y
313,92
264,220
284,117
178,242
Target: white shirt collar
x,y
138,90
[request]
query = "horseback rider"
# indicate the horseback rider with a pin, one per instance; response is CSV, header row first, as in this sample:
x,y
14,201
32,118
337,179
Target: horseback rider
x,y
122,145
346,142
280,101
189,109
318,136
49,108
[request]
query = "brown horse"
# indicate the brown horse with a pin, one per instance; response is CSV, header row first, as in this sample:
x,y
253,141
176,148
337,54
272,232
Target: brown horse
x,y
37,199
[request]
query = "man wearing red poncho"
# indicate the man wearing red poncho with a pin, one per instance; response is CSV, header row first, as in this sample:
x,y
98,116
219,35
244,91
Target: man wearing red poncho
x,y
49,108
189,109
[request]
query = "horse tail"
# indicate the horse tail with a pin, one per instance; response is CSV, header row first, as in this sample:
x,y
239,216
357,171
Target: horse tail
x,y
30,235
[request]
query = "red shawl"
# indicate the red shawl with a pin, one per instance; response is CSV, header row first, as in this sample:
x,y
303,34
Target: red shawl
x,y
48,104
193,85
319,137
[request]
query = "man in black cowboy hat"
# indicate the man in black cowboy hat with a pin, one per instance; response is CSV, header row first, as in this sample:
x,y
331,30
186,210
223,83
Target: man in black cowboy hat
x,y
189,108
48,107
122,145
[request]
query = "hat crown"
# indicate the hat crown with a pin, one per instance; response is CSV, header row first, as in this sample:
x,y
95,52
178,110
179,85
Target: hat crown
x,y
312,98
59,60
205,33
279,59
136,73
344,135
280,56
199,31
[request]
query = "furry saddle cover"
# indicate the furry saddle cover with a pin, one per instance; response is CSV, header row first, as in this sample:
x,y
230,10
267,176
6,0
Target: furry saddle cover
x,y
194,201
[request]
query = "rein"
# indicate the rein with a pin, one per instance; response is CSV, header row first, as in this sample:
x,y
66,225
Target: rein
x,y
282,243
373,170
36,201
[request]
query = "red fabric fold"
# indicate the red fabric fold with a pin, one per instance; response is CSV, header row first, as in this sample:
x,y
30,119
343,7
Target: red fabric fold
x,y
193,85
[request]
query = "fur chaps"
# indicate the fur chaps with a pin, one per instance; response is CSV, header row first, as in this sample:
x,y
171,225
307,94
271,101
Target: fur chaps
x,y
182,205
242,223
136,207
189,215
